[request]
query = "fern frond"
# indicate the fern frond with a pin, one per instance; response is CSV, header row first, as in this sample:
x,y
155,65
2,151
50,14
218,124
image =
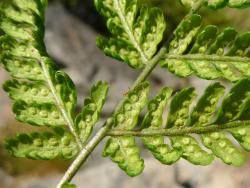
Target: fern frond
x,y
185,124
136,31
216,4
123,150
90,113
42,95
43,146
24,55
207,53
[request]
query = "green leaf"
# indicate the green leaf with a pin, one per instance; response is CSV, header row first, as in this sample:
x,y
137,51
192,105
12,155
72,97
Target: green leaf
x,y
239,3
66,91
123,150
242,135
185,125
42,95
192,4
136,99
37,6
153,120
205,108
90,113
178,117
207,53
204,39
191,150
205,121
28,92
203,114
22,68
38,114
135,39
155,109
21,48
233,102
223,148
184,34
216,4
43,146
179,108
222,40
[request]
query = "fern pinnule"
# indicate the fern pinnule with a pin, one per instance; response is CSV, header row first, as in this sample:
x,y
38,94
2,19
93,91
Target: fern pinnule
x,y
43,146
216,4
154,120
134,39
123,150
206,52
90,113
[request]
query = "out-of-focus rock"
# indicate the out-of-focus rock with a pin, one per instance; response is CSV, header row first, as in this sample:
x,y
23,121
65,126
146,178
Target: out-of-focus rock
x,y
155,175
72,44
5,179
5,106
217,175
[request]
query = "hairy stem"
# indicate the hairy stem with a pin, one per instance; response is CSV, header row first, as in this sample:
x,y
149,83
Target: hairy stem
x,y
178,131
87,150
83,155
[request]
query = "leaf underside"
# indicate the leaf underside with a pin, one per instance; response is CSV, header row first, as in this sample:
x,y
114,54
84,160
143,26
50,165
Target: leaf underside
x,y
90,113
44,96
123,150
216,4
43,146
190,146
207,53
135,31
41,94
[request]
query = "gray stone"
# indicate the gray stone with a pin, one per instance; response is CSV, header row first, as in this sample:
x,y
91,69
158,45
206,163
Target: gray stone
x,y
72,43
5,179
183,174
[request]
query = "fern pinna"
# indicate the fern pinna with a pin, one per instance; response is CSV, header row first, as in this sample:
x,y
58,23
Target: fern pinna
x,y
44,96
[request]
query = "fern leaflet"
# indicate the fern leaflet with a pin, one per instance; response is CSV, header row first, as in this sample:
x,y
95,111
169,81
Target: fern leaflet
x,y
123,150
207,53
205,120
134,38
216,4
42,95
194,50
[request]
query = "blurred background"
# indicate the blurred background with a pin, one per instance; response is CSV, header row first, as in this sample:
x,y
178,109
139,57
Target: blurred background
x,y
72,26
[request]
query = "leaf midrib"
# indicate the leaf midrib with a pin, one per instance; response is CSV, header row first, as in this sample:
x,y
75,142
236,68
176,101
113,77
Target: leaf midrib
x,y
68,120
130,32
180,132
203,57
